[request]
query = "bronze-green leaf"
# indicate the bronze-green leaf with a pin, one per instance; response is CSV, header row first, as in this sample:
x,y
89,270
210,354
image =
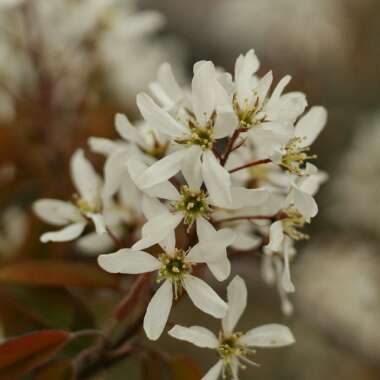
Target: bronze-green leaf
x,y
18,356
57,273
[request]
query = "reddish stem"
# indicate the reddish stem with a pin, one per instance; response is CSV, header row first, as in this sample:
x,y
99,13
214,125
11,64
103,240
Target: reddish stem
x,y
254,163
249,217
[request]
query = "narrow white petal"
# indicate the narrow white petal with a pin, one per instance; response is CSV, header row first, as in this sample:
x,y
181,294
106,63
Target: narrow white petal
x,y
276,236
56,212
205,230
94,244
191,167
114,170
245,241
168,82
217,180
304,203
264,86
204,297
203,91
225,124
280,88
85,179
237,302
102,146
99,223
68,233
158,310
214,372
310,125
157,229
272,335
159,118
221,269
199,336
128,261
164,190
127,131
246,67
286,280
152,207
242,197
162,170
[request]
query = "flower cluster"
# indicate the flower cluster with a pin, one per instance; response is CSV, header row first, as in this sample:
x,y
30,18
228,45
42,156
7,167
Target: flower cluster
x,y
220,167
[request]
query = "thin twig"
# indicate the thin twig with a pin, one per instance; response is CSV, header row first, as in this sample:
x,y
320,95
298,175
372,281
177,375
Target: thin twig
x,y
254,163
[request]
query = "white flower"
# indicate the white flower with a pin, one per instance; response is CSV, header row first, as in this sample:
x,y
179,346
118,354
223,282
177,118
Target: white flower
x,y
195,133
234,347
161,225
174,268
190,204
140,142
74,216
121,216
293,154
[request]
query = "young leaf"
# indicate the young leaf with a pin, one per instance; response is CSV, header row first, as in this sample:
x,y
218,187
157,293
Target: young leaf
x,y
57,273
18,356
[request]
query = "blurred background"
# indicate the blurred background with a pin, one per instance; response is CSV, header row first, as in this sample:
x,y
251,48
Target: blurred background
x,y
66,67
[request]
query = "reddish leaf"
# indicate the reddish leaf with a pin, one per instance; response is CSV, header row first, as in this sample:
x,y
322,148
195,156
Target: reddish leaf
x,y
60,370
57,273
183,368
20,355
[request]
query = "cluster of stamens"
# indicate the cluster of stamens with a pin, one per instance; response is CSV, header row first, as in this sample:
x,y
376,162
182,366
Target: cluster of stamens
x,y
174,267
230,347
295,157
157,150
200,135
249,115
85,207
193,204
292,222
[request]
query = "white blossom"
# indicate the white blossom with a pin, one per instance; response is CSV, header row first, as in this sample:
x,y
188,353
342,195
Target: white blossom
x,y
233,347
86,205
174,268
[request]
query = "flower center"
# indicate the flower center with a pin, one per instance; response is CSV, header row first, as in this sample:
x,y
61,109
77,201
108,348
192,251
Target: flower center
x,y
199,135
295,157
85,207
193,204
174,268
229,348
156,150
250,115
292,222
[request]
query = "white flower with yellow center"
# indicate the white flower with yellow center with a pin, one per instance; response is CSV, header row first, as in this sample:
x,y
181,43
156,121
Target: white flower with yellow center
x,y
234,348
174,268
74,216
195,132
293,155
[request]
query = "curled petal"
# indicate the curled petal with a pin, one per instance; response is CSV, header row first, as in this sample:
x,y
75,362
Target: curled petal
x,y
68,233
